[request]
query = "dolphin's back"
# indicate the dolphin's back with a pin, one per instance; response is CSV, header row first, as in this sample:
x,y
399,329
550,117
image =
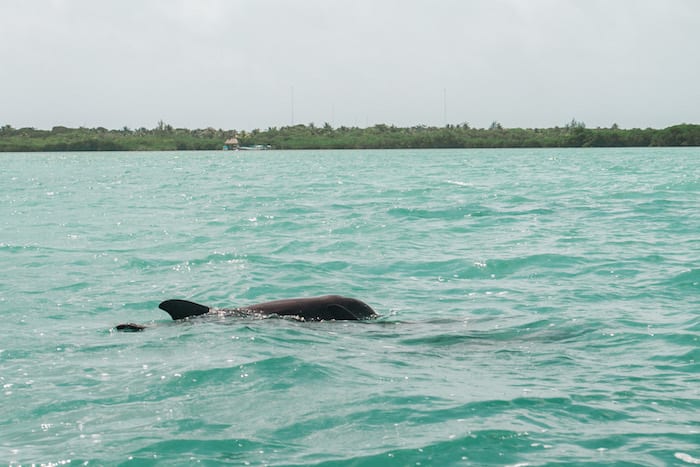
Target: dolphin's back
x,y
327,307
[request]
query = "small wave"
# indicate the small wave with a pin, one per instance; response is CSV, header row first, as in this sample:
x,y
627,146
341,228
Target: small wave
x,y
689,279
493,268
293,246
227,450
687,458
146,263
340,246
453,213
477,447
541,332
72,287
454,182
265,373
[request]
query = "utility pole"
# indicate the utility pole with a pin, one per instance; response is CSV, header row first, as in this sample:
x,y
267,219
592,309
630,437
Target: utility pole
x,y
444,106
292,104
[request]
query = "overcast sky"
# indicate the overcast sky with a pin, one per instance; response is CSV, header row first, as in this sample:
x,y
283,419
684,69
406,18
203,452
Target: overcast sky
x,y
245,64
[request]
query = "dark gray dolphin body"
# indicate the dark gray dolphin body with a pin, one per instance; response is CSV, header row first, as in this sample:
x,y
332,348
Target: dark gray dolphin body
x,y
327,307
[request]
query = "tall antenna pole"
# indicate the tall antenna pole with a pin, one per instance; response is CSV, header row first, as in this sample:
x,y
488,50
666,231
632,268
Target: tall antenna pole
x,y
444,106
292,104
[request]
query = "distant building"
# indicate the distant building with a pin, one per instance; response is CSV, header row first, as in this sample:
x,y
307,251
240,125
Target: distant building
x,y
231,144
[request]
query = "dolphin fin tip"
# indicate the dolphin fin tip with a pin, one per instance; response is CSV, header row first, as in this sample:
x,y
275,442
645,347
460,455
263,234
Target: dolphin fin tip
x,y
181,309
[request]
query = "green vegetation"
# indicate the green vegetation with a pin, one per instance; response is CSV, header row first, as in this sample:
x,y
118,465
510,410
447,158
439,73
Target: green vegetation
x,y
165,137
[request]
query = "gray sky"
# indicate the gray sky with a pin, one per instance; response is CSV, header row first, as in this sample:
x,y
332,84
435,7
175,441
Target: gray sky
x,y
245,64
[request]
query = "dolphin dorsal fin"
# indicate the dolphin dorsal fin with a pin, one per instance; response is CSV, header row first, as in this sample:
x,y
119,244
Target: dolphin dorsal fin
x,y
181,309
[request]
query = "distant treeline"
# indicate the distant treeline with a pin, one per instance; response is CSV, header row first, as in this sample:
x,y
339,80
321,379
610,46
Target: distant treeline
x,y
165,137
161,138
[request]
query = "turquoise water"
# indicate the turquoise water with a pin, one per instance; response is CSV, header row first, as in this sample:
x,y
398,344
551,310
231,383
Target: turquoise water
x,y
539,307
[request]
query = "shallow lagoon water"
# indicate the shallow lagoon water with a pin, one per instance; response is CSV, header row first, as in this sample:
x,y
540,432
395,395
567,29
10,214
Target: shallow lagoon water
x,y
539,307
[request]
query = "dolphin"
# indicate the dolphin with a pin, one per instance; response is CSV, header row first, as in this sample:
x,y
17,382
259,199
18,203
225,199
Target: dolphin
x,y
327,307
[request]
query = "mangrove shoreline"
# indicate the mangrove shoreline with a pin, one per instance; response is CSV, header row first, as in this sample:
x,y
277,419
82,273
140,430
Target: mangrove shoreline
x,y
165,138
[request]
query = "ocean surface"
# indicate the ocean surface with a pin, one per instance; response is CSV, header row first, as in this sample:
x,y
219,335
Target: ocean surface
x,y
538,307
